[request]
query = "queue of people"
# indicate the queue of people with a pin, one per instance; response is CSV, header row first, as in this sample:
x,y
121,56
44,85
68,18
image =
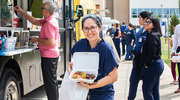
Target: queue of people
x,y
147,63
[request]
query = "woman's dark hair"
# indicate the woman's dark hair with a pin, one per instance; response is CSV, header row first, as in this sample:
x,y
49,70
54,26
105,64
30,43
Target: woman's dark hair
x,y
117,24
131,25
145,14
94,17
156,24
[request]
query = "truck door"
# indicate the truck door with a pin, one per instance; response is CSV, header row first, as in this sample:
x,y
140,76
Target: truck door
x,y
65,16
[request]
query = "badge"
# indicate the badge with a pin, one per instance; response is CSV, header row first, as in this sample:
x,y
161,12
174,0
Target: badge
x,y
140,39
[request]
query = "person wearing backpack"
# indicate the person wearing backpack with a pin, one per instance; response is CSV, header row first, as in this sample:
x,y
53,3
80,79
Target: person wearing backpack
x,y
124,29
111,31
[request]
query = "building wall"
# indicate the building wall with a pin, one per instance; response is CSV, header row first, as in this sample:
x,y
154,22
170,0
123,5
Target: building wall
x,y
121,10
109,6
102,4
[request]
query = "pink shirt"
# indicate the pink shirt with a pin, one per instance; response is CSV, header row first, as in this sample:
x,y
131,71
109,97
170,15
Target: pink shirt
x,y
50,29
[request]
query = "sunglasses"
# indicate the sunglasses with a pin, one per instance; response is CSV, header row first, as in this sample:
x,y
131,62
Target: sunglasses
x,y
43,8
147,22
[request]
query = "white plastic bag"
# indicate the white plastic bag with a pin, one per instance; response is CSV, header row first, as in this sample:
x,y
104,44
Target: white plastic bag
x,y
72,91
110,41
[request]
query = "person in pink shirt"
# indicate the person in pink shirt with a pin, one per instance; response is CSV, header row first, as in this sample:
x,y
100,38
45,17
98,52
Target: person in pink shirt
x,y
48,45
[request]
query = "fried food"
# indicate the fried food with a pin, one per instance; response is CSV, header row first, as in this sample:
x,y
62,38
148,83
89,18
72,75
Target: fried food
x,y
79,74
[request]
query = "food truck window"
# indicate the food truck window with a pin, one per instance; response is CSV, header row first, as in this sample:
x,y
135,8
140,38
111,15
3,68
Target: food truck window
x,y
35,7
6,7
59,12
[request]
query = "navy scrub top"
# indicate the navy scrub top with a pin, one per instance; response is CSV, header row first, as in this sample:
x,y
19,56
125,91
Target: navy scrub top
x,y
107,62
129,36
140,38
116,33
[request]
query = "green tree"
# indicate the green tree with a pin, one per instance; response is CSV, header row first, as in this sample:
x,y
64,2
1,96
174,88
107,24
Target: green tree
x,y
174,21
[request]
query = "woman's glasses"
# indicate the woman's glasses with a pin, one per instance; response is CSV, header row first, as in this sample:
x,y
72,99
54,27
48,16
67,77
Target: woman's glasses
x,y
92,28
43,8
147,22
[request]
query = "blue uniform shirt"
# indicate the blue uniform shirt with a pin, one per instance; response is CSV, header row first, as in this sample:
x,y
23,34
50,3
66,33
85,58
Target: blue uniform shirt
x,y
116,33
129,36
140,37
107,62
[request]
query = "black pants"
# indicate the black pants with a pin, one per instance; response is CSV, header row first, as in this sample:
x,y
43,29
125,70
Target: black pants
x,y
178,50
49,68
123,46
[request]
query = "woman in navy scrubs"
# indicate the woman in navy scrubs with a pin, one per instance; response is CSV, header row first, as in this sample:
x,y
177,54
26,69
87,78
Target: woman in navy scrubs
x,y
136,70
151,61
116,39
130,39
102,88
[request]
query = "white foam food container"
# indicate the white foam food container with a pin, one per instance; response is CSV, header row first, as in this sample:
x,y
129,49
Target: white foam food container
x,y
87,62
175,59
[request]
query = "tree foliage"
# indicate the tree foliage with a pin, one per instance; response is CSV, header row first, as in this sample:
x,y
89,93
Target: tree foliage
x,y
174,21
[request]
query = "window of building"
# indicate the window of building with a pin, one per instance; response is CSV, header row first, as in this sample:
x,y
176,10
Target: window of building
x,y
147,9
154,11
140,10
172,11
177,10
157,12
165,12
97,7
134,13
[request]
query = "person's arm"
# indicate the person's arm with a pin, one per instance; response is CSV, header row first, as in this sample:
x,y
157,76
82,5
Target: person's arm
x,y
174,45
152,47
132,42
47,42
110,78
133,37
27,16
119,34
170,41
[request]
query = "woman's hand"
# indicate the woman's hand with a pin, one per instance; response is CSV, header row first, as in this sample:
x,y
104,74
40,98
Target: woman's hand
x,y
131,43
110,78
86,85
18,9
69,68
173,54
169,39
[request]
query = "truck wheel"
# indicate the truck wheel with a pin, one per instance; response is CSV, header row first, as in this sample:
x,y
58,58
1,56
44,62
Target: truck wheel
x,y
9,86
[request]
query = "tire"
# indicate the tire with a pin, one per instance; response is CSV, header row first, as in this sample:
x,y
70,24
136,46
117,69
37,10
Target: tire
x,y
9,86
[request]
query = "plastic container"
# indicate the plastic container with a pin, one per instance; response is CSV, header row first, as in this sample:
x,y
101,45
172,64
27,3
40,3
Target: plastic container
x,y
178,53
87,62
175,59
16,22
3,41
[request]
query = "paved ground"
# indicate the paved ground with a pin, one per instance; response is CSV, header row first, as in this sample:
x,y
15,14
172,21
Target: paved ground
x,y
122,85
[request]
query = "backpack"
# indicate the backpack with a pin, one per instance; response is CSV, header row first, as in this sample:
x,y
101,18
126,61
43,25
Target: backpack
x,y
124,28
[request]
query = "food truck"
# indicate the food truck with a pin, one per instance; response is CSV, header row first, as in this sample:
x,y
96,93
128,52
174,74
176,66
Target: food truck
x,y
20,65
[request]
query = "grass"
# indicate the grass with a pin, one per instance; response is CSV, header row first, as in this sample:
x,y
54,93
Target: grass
x,y
164,48
164,56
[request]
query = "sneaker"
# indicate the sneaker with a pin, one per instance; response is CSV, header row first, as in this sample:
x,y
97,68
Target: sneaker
x,y
176,83
173,82
177,91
